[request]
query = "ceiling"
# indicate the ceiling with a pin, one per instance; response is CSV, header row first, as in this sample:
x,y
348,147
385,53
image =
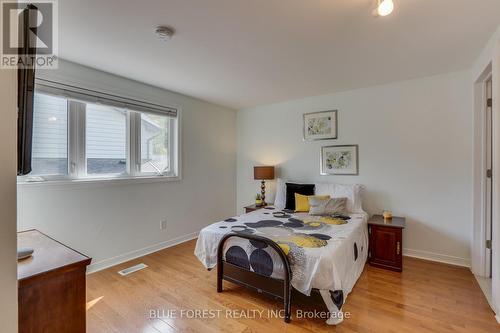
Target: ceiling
x,y
243,53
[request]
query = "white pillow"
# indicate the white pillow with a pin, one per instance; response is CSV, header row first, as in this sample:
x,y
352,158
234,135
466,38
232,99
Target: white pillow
x,y
280,198
351,192
324,189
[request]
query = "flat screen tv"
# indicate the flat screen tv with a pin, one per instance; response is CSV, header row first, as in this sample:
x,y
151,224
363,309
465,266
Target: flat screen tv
x,y
26,90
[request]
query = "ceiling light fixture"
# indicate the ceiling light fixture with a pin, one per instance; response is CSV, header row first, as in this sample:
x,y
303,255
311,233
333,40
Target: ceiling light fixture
x,y
164,33
385,7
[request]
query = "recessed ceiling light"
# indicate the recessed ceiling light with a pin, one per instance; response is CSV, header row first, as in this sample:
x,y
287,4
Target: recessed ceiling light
x,y
164,33
385,7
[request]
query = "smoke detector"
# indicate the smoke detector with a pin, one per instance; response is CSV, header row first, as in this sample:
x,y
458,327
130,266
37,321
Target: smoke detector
x,y
164,33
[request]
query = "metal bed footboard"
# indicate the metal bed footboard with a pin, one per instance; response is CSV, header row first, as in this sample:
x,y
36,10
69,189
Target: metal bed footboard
x,y
274,287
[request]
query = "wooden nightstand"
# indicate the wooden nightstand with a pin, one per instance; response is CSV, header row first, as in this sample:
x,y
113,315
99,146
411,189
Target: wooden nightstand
x,y
252,208
386,242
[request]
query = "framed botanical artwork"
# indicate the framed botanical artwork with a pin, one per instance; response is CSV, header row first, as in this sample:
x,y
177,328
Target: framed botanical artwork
x,y
339,160
320,125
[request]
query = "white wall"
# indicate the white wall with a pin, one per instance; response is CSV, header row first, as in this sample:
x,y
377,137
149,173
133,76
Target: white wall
x,y
415,151
8,237
112,222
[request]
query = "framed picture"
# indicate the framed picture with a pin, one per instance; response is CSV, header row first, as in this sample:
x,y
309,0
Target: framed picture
x,y
320,125
339,160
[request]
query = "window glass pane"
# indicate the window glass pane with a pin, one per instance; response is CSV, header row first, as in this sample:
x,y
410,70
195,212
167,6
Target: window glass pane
x,y
106,139
50,136
155,143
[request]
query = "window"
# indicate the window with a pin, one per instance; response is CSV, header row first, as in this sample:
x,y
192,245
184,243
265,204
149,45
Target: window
x,y
106,140
155,144
76,138
50,136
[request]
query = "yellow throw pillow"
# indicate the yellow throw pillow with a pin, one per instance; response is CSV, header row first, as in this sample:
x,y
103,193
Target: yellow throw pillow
x,y
302,201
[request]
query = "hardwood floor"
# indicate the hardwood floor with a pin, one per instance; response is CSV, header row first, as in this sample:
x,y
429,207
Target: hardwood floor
x,y
426,297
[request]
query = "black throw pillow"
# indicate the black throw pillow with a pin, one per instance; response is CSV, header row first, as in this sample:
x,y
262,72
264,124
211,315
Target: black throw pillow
x,y
291,189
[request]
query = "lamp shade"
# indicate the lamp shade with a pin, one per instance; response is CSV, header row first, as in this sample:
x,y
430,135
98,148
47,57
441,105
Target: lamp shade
x,y
263,172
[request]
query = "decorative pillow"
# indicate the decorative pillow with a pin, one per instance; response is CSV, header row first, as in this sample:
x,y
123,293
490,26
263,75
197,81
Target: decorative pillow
x,y
280,198
302,201
291,189
329,206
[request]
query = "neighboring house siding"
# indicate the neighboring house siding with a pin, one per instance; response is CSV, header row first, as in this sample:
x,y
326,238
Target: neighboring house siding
x,y
106,132
148,131
50,136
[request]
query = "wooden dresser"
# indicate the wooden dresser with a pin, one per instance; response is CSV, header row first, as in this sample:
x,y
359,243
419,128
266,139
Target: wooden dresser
x,y
51,286
386,242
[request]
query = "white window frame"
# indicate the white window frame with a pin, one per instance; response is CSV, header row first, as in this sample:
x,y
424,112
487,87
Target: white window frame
x,y
76,133
77,159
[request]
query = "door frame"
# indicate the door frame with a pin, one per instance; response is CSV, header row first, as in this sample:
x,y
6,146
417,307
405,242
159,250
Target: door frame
x,y
495,237
478,262
488,207
489,61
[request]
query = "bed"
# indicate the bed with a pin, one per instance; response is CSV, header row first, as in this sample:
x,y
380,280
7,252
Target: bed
x,y
274,250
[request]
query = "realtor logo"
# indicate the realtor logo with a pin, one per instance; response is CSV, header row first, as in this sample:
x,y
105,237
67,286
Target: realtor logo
x,y
29,34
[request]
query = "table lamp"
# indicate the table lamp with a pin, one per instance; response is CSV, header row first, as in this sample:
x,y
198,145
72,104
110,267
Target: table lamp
x,y
263,173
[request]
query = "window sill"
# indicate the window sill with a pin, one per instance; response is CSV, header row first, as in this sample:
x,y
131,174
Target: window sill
x,y
99,181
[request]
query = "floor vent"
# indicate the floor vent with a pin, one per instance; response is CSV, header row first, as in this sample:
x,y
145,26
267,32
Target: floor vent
x,y
132,269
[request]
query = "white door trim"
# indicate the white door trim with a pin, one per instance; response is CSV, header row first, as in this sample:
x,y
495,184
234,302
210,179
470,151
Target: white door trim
x,y
478,262
489,59
489,183
495,269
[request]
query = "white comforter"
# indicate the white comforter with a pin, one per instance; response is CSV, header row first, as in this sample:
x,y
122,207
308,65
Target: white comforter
x,y
328,255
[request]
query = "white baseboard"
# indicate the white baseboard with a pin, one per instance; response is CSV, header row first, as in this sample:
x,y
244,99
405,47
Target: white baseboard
x,y
106,263
498,318
465,262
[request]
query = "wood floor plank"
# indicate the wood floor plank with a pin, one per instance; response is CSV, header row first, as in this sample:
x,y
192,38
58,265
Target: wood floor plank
x,y
426,297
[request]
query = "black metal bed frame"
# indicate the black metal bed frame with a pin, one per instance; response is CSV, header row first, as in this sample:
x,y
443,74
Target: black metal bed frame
x,y
278,288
